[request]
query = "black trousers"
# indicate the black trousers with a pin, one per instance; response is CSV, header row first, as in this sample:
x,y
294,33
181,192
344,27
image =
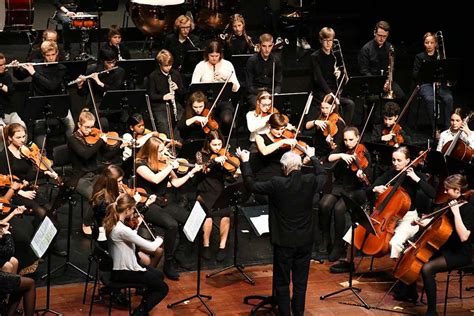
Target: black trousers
x,y
156,289
294,262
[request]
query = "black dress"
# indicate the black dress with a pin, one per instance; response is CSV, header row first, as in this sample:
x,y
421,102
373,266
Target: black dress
x,y
9,282
267,166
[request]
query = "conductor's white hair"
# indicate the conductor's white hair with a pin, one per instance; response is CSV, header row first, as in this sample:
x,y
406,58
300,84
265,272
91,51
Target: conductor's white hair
x,y
290,161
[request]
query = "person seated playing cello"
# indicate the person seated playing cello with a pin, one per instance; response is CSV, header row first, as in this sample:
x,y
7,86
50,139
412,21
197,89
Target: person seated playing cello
x,y
458,124
390,132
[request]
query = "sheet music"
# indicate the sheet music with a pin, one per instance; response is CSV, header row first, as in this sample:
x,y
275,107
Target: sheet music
x,y
43,237
194,222
261,224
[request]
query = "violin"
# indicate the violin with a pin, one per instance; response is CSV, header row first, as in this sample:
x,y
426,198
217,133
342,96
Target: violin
x,y
183,164
331,124
360,161
272,111
142,138
5,206
33,153
231,164
112,137
299,148
211,124
5,180
397,139
142,192
133,222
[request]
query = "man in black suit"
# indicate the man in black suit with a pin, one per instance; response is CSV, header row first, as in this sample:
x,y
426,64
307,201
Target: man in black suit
x,y
291,224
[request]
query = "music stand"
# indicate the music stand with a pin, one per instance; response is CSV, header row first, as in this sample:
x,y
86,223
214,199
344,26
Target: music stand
x,y
211,90
75,68
136,70
363,87
190,60
436,72
290,103
357,216
123,101
457,166
190,148
240,63
230,196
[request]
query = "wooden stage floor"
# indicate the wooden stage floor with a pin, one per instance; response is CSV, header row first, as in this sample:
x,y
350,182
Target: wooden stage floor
x,y
228,290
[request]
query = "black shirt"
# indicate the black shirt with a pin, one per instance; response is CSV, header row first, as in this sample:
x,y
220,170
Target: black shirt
x,y
419,60
68,4
83,156
151,188
112,80
346,180
324,79
237,45
193,131
178,49
259,73
373,59
377,133
6,105
158,85
47,79
20,167
124,51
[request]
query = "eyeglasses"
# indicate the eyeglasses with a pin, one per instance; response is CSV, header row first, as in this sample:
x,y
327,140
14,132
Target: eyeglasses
x,y
381,35
88,126
185,27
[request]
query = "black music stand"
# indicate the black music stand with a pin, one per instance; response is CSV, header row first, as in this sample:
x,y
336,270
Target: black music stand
x,y
357,216
436,72
190,148
123,101
136,70
191,59
364,87
198,280
211,90
291,104
75,68
231,196
240,64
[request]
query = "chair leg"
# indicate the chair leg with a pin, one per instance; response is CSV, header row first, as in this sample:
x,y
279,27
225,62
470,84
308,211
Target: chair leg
x,y
94,289
110,304
446,293
422,294
87,280
461,276
372,264
129,301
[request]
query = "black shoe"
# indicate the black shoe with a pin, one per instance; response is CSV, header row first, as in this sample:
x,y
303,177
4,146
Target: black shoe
x,y
336,253
183,262
206,252
221,255
119,299
170,271
341,267
431,314
58,251
405,293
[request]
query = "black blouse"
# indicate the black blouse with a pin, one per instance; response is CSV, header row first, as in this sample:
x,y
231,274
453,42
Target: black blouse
x,y
151,188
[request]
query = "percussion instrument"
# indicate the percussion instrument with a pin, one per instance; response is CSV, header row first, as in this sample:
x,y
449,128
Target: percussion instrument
x,y
213,14
84,22
18,14
154,17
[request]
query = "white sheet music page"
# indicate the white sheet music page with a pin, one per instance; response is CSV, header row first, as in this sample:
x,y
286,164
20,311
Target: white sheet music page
x,y
261,224
194,222
43,237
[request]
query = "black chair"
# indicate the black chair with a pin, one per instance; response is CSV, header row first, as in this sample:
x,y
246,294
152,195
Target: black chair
x,y
103,269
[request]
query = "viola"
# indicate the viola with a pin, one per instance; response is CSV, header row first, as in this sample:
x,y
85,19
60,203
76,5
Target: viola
x,y
231,164
360,161
211,125
142,192
112,137
397,139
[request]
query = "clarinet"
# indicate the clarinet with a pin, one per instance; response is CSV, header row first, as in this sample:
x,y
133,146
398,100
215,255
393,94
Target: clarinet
x,y
173,100
118,52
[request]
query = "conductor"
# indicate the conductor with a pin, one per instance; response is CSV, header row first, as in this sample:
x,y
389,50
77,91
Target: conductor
x,y
291,224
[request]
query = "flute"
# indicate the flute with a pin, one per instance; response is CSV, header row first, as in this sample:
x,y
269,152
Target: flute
x,y
79,79
11,65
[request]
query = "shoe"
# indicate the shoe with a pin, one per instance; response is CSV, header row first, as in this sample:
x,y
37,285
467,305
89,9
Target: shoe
x,y
405,293
303,43
170,271
58,251
221,255
119,299
206,252
341,267
183,263
406,298
336,253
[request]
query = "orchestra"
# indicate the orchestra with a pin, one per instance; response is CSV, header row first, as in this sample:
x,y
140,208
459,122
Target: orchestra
x,y
165,144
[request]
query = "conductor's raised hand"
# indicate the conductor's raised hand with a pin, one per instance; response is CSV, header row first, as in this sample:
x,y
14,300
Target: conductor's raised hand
x,y
243,155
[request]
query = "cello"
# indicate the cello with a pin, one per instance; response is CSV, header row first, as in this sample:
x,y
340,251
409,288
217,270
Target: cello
x,y
389,208
457,148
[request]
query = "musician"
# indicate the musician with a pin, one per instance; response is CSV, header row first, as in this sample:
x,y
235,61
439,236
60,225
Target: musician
x,y
108,79
257,120
457,124
165,87
214,68
8,114
122,242
191,123
326,73
427,92
65,11
320,123
115,44
181,41
48,35
373,59
154,172
345,180
457,251
209,188
238,42
291,224
390,113
259,69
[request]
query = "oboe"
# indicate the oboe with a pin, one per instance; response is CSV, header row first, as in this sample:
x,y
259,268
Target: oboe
x,y
78,79
118,52
173,100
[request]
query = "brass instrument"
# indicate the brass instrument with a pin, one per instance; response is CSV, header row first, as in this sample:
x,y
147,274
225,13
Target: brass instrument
x,y
79,79
390,95
339,63
173,100
440,50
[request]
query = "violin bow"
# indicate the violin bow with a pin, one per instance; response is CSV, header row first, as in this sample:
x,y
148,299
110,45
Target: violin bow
x,y
6,155
170,127
273,85
305,112
409,165
94,104
219,95
231,128
150,112
40,160
405,108
365,126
